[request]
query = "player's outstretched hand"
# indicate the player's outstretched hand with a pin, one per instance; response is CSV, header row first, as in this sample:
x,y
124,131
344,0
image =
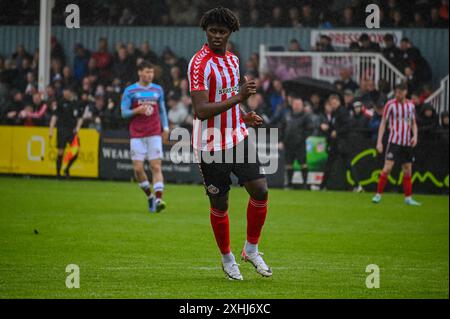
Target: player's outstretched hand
x,y
252,119
380,148
414,142
247,88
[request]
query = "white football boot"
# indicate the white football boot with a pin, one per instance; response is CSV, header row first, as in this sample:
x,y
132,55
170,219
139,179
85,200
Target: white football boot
x,y
256,260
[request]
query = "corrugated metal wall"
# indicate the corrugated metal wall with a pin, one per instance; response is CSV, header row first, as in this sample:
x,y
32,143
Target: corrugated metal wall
x,y
434,44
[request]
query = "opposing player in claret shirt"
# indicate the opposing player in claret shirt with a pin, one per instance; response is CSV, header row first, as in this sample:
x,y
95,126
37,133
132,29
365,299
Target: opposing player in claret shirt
x,y
401,115
143,103
219,130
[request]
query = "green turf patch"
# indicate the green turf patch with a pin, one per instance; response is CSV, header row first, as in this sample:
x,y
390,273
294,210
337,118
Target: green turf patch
x,y
318,243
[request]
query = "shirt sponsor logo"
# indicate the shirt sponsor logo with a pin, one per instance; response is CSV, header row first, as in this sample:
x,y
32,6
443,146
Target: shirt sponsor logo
x,y
229,90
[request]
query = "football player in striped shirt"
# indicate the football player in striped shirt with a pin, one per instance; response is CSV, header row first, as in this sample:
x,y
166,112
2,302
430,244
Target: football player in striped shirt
x,y
401,115
219,130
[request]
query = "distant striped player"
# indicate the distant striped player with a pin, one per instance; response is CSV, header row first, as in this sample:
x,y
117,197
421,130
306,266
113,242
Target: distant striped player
x,y
220,129
401,115
143,103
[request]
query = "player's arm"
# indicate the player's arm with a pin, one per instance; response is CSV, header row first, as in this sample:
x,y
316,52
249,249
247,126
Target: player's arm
x,y
205,109
415,129
125,107
382,128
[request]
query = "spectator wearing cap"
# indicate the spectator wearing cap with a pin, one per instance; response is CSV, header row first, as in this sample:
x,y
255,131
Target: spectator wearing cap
x,y
366,45
360,122
349,99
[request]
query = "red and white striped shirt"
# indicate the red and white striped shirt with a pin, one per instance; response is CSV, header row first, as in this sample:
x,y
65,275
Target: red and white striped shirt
x,y
401,117
218,74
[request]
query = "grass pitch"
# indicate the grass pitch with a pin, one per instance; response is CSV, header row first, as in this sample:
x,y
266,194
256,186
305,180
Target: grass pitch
x,y
318,243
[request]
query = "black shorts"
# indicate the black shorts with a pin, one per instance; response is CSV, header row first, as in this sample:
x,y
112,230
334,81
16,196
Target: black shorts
x,y
399,154
216,174
64,136
296,152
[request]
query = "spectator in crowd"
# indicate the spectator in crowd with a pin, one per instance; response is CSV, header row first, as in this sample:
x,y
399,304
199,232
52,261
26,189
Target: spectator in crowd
x,y
132,53
178,111
294,46
360,122
294,17
123,68
346,77
277,19
103,60
411,56
308,20
326,121
14,108
68,79
20,80
411,80
368,94
435,19
348,18
443,131
324,44
316,103
276,97
349,99
35,113
127,17
147,54
375,122
367,45
57,51
428,123
391,52
80,61
340,141
419,21
294,134
20,55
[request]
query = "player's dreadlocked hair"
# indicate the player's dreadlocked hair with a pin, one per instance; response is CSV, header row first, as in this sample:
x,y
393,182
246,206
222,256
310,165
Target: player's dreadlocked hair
x,y
220,16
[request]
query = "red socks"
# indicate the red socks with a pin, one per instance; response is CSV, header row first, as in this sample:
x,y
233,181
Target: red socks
x,y
256,215
382,182
407,185
221,228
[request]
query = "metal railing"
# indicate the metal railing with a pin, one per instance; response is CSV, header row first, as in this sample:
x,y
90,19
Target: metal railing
x,y
328,65
439,98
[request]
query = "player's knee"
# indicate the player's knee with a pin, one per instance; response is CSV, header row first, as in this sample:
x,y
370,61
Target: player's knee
x,y
220,203
260,192
156,167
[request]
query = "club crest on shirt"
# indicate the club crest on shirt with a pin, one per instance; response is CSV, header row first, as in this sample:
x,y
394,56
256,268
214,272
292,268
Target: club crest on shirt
x,y
212,189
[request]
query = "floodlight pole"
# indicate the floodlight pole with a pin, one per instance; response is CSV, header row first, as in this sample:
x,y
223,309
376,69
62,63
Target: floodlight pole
x,y
45,27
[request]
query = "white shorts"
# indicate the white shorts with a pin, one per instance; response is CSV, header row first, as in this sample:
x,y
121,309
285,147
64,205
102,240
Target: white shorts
x,y
149,148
